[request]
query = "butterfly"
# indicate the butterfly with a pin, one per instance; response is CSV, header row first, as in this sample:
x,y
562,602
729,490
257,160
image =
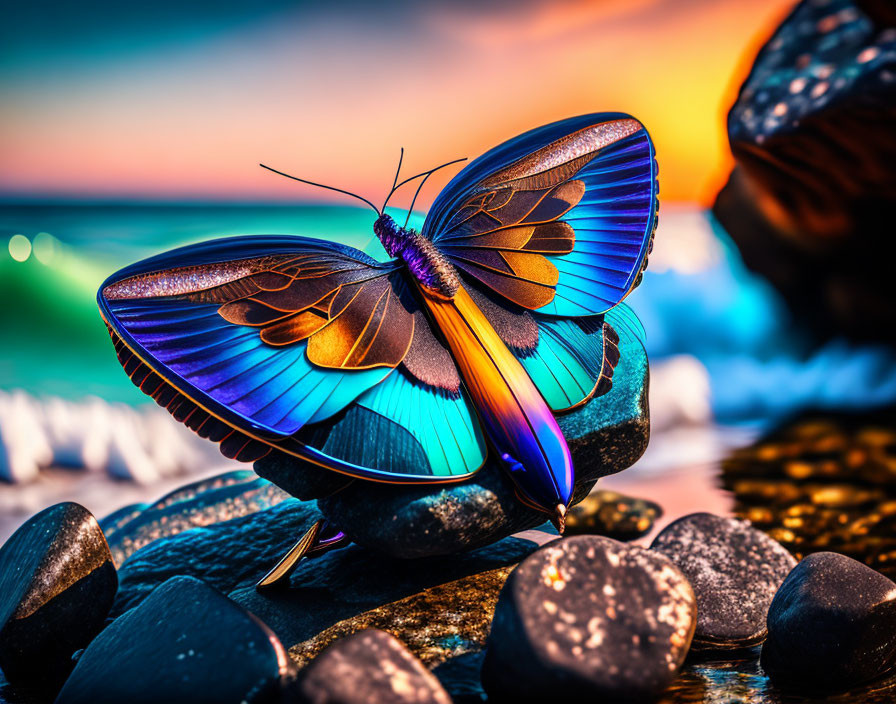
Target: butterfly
x,y
466,344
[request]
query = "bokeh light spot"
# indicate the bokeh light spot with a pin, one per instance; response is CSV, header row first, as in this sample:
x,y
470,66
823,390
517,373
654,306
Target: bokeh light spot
x,y
45,247
19,247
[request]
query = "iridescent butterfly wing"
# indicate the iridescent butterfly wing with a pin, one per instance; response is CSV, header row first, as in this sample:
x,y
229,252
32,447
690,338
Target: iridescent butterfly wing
x,y
550,230
302,345
317,350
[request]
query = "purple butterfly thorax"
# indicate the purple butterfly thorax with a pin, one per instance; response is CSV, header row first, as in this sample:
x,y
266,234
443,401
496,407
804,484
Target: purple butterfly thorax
x,y
425,263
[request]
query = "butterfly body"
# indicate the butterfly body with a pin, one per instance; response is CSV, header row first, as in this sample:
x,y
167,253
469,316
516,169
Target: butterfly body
x,y
426,264
522,429
462,348
527,440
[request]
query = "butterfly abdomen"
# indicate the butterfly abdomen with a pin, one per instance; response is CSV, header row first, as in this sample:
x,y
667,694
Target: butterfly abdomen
x,y
425,263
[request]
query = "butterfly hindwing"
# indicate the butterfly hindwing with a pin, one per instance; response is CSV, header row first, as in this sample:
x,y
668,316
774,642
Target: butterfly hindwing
x,y
225,333
558,220
407,429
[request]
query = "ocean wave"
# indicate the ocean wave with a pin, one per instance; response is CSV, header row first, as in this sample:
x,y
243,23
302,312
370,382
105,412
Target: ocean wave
x,y
142,444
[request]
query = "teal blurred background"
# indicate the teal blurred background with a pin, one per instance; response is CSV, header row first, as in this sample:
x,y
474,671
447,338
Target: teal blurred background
x,y
54,341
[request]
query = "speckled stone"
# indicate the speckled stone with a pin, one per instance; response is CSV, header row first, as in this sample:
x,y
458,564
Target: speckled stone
x,y
213,500
589,617
605,436
815,186
831,626
57,582
184,643
734,570
115,520
612,514
369,667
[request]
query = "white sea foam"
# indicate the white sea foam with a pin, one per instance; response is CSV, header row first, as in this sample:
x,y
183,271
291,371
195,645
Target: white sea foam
x,y
143,444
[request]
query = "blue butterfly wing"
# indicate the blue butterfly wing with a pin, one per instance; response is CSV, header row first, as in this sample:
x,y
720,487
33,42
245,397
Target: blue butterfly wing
x,y
223,335
407,429
574,358
558,220
569,361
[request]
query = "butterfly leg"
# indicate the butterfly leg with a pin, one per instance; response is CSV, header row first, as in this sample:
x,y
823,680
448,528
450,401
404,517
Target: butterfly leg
x,y
320,538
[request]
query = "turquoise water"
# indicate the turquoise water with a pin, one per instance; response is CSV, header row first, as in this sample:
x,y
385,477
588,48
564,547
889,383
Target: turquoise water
x,y
52,340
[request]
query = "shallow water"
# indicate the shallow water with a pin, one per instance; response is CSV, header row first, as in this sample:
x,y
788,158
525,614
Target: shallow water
x,y
727,682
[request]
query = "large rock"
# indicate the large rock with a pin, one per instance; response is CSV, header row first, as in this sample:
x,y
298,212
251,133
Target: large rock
x,y
369,667
734,570
605,436
588,617
831,626
224,555
300,479
57,583
184,643
438,607
213,500
814,190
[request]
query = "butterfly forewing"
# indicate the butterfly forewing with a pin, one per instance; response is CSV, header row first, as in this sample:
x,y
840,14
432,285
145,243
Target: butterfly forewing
x,y
280,340
557,220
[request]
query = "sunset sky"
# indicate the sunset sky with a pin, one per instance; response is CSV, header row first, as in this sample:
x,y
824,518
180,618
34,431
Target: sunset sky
x,y
175,101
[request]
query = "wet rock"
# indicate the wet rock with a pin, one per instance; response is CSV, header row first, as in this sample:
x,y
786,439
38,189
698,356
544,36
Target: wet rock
x,y
337,593
461,677
438,607
301,479
588,616
57,583
613,515
369,667
831,626
115,520
823,482
734,570
223,555
184,643
208,501
605,436
811,132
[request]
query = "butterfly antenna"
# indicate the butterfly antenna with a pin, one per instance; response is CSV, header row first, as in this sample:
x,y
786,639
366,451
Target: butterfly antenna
x,y
416,193
320,185
425,175
429,172
394,180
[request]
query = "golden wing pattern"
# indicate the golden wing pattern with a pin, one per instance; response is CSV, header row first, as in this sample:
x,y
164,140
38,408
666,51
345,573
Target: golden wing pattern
x,y
556,222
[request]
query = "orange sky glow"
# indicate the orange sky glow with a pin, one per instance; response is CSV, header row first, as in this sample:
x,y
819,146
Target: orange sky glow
x,y
333,100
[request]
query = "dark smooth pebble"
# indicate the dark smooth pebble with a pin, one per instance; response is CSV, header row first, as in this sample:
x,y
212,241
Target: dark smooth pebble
x,y
591,617
831,626
57,583
184,643
369,667
735,571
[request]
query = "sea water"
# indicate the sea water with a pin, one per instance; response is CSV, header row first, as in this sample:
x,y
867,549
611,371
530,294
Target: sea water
x,y
52,339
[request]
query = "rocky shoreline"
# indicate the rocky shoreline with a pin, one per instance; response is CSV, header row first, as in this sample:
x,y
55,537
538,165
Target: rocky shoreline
x,y
585,614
